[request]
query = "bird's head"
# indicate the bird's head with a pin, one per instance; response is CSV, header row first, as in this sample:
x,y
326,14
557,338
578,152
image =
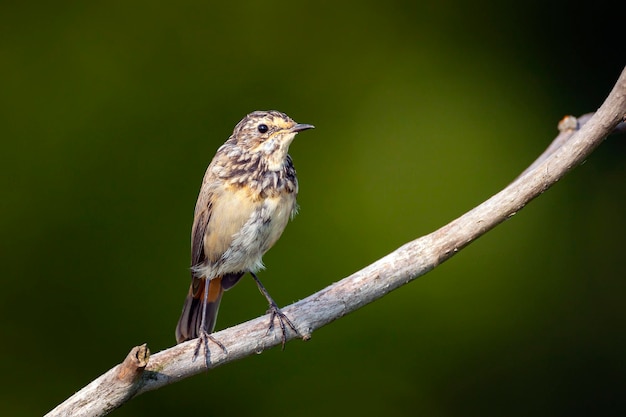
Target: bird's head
x,y
267,134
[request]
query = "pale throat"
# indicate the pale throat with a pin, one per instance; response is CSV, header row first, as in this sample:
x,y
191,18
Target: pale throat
x,y
276,152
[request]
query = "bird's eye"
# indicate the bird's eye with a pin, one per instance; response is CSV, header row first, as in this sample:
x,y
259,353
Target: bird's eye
x,y
263,128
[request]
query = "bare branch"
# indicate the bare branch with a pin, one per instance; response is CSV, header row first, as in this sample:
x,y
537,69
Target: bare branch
x,y
578,138
109,391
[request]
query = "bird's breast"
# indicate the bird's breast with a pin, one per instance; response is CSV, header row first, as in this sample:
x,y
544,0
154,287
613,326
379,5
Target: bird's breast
x,y
249,211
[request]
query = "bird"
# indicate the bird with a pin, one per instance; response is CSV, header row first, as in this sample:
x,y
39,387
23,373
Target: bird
x,y
248,195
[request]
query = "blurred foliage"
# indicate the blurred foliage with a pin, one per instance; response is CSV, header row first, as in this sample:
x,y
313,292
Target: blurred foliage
x,y
110,112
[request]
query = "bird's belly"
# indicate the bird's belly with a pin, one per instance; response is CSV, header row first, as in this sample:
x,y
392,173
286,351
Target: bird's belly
x,y
257,235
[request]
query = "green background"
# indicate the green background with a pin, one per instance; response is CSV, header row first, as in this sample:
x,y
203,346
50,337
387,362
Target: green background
x,y
110,112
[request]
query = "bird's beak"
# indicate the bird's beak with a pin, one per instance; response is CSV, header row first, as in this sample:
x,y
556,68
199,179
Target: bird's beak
x,y
300,127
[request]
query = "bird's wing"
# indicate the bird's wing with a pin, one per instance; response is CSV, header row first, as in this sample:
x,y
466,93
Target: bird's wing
x,y
220,214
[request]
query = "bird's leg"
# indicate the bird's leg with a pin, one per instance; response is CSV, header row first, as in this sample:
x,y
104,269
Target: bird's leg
x,y
275,313
204,336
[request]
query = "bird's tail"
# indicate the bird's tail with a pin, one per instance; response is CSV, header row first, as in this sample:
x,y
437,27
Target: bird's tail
x,y
191,318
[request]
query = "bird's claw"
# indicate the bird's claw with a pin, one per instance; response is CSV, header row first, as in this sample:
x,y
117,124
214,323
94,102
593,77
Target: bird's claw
x,y
275,312
203,340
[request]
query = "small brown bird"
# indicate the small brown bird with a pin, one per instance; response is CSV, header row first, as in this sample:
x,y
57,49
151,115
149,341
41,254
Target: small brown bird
x,y
247,197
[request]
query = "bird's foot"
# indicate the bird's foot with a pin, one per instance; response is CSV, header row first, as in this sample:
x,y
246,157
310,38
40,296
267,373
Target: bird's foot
x,y
283,321
203,340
